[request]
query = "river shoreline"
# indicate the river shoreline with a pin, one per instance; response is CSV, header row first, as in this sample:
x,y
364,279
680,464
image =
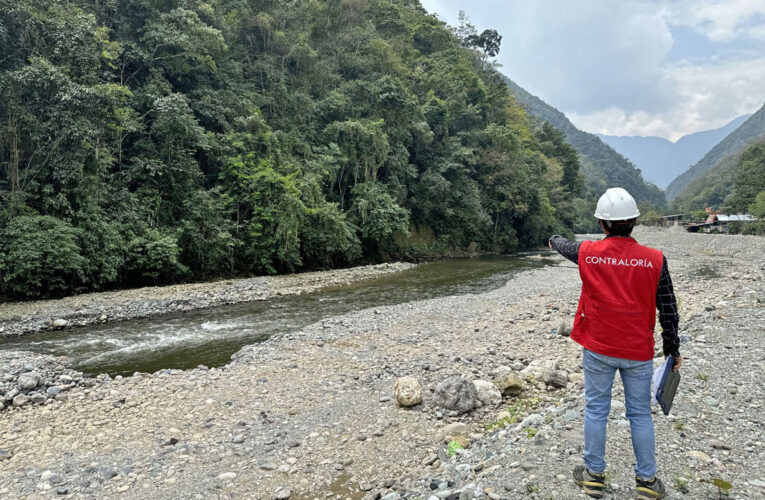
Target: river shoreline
x,y
312,414
21,318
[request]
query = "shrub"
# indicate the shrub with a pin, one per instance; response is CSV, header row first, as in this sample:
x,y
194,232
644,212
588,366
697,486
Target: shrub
x,y
40,257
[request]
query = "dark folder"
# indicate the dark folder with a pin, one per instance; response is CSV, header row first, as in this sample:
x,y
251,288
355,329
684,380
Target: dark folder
x,y
669,382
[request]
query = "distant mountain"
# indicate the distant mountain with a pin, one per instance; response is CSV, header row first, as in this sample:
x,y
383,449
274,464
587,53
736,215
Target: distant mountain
x,y
602,166
661,160
751,130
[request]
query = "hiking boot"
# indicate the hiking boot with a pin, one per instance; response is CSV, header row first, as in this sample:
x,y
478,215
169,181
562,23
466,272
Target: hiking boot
x,y
650,489
592,484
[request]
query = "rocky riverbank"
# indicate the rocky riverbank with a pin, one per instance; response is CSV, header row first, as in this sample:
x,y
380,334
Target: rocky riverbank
x,y
314,415
88,309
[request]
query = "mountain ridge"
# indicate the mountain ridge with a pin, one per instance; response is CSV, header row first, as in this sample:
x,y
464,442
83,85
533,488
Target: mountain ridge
x,y
749,131
602,165
660,159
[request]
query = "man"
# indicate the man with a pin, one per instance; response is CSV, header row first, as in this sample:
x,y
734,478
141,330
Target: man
x,y
622,283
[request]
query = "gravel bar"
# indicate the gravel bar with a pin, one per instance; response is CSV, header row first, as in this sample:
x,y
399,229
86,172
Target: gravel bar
x,y
313,414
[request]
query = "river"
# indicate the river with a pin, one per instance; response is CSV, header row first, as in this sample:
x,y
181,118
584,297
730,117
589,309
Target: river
x,y
211,336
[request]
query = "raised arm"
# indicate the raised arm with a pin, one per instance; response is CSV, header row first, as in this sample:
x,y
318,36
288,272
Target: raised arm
x,y
567,248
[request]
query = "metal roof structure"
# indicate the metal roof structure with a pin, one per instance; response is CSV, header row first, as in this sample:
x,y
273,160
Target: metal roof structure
x,y
736,218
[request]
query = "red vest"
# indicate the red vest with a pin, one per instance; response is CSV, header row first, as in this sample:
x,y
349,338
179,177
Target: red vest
x,y
617,308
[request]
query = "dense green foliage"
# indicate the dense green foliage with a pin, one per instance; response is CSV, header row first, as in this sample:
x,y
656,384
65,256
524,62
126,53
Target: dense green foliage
x,y
152,141
602,166
732,185
719,157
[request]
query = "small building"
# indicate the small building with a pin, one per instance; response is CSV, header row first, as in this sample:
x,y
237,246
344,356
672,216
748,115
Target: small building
x,y
671,220
717,222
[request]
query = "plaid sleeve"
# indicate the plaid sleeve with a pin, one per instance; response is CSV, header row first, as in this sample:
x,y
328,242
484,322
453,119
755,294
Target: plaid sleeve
x,y
668,317
567,248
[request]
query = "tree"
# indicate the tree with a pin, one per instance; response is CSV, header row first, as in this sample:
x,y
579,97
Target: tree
x,y
488,42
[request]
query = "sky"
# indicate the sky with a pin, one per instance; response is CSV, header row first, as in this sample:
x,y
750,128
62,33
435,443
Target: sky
x,y
630,67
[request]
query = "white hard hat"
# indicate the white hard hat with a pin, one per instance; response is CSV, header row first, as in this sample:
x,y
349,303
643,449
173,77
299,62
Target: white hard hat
x,y
616,204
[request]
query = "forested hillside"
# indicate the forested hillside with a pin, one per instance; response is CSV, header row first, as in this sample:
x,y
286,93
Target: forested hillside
x,y
602,166
155,141
750,131
735,184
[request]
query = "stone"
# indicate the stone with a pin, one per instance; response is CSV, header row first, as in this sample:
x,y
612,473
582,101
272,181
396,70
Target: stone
x,y
571,415
20,400
555,378
508,382
487,392
60,323
5,454
37,398
53,390
564,330
532,420
282,494
50,477
407,391
228,476
467,494
455,429
699,455
456,393
28,381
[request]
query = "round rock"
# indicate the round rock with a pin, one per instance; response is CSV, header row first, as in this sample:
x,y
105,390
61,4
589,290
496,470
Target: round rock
x,y
407,391
487,392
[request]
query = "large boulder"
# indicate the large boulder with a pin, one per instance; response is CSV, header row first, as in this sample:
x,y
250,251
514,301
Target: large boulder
x,y
456,393
507,381
487,392
407,391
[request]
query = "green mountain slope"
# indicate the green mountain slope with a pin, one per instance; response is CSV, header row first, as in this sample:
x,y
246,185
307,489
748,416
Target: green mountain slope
x,y
146,142
730,185
751,130
601,164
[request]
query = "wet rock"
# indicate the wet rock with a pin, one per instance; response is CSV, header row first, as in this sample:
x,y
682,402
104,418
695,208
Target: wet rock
x,y
60,323
407,391
456,393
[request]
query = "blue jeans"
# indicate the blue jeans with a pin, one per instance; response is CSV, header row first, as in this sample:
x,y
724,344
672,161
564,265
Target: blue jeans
x,y
598,379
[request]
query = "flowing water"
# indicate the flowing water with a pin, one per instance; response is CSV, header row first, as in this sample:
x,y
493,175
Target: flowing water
x,y
211,336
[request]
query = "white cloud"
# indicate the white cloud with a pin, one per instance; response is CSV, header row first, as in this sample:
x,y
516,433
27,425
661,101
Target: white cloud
x,y
607,64
708,97
720,20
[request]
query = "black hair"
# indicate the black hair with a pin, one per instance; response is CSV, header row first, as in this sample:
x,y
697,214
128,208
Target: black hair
x,y
619,227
